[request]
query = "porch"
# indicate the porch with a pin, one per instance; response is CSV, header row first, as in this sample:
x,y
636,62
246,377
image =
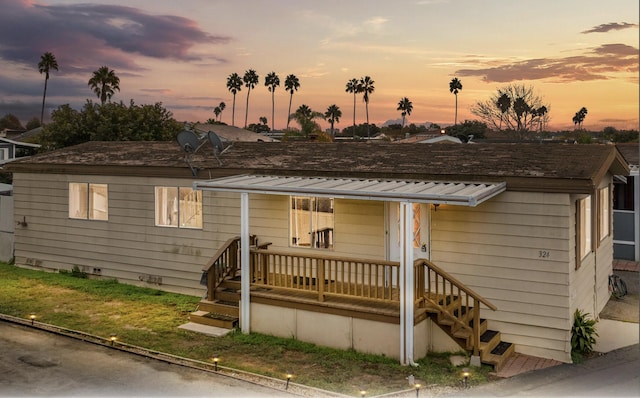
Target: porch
x,y
354,288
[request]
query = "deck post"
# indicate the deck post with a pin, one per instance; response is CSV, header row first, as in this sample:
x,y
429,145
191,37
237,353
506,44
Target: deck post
x,y
407,290
245,283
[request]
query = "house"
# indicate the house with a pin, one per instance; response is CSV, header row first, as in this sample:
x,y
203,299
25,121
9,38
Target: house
x,y
626,207
6,222
393,249
11,149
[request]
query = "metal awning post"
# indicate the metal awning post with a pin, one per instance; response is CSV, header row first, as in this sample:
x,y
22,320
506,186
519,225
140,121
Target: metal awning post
x,y
406,283
245,309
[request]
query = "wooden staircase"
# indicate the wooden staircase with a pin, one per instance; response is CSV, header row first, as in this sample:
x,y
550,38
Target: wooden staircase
x,y
223,310
452,317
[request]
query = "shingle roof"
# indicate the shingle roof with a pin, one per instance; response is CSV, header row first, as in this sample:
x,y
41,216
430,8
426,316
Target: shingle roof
x,y
478,162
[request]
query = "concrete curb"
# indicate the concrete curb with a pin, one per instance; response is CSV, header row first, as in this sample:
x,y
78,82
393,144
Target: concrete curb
x,y
278,385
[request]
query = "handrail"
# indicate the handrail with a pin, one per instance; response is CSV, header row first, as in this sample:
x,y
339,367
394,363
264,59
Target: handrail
x,y
223,263
452,279
454,305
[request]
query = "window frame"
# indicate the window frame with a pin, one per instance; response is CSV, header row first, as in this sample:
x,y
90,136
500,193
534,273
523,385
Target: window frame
x,y
87,204
604,213
179,207
584,229
321,239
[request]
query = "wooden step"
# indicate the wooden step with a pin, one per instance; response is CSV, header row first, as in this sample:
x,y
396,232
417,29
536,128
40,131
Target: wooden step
x,y
231,283
489,340
499,355
211,319
228,308
227,294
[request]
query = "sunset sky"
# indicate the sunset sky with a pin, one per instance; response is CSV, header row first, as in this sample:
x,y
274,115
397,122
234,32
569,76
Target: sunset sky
x,y
575,53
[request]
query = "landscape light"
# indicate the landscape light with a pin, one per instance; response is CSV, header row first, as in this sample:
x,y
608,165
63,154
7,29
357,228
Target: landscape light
x,y
363,393
32,317
289,376
113,338
465,375
215,360
417,389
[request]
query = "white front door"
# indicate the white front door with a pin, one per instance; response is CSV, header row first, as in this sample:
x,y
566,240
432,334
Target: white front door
x,y
421,240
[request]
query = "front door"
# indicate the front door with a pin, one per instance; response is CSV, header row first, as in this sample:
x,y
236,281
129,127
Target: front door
x,y
421,241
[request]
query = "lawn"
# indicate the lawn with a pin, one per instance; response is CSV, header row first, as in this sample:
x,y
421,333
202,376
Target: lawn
x,y
150,318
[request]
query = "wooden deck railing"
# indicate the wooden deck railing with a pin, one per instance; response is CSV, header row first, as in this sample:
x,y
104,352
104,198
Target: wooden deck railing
x,y
325,274
452,298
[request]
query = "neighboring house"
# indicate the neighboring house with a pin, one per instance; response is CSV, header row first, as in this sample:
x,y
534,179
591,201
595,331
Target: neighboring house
x,y
10,150
6,222
626,207
393,249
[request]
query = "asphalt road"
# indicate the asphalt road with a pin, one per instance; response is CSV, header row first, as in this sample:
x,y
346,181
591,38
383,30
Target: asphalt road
x,y
38,363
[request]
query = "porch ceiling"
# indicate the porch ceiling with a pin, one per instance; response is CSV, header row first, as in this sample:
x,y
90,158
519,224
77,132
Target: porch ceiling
x,y
437,192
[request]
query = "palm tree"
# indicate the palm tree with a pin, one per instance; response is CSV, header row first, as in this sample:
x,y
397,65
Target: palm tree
x,y
47,62
367,87
406,107
221,106
291,84
104,82
305,117
333,115
234,85
455,85
503,103
216,112
580,116
250,80
353,86
272,81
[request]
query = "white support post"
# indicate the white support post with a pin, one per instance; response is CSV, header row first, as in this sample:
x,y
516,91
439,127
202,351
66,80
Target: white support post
x,y
636,216
406,283
245,284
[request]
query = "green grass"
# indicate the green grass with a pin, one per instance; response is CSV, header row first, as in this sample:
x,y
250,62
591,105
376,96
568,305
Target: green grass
x,y
149,318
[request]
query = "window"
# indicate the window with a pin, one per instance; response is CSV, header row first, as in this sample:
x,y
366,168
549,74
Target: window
x,y
604,213
312,221
88,201
584,228
178,207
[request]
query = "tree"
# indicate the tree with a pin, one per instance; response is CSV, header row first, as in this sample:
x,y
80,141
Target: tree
x,y
234,85
503,103
291,84
305,117
367,88
110,122
405,106
221,106
216,112
455,85
46,64
511,105
104,82
250,80
33,123
11,122
272,81
353,86
333,115
580,116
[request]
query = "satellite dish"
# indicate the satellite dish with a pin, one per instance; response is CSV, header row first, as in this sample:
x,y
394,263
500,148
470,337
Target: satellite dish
x,y
189,141
216,142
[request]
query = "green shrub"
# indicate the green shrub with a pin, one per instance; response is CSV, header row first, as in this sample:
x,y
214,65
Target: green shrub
x,y
583,333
